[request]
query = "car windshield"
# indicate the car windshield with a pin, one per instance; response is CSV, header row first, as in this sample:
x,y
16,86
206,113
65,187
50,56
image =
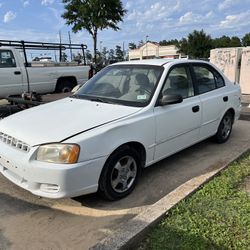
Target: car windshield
x,y
131,85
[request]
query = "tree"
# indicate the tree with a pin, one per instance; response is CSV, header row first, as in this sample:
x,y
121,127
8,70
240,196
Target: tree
x,y
132,45
235,42
169,42
111,55
140,43
119,53
93,15
64,57
226,42
246,40
105,53
198,44
222,42
88,56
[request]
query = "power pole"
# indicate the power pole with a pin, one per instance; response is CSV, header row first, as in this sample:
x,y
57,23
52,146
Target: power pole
x,y
60,49
71,56
146,46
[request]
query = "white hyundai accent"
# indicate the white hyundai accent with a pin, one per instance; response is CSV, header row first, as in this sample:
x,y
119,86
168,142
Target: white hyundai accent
x,y
127,117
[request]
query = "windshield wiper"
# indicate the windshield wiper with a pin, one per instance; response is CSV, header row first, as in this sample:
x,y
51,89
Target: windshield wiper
x,y
93,99
98,99
76,96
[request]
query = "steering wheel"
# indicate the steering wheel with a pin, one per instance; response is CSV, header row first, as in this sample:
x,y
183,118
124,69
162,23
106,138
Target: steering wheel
x,y
107,89
144,90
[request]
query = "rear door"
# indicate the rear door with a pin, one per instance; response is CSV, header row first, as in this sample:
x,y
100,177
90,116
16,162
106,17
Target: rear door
x,y
177,125
210,87
10,74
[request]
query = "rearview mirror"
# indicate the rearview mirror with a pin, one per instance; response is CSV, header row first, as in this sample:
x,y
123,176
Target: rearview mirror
x,y
170,99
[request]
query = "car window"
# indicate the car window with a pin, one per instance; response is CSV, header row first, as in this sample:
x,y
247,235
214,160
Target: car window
x,y
7,59
207,78
218,79
178,82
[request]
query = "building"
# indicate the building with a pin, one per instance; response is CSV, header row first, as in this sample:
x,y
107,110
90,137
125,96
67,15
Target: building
x,y
151,50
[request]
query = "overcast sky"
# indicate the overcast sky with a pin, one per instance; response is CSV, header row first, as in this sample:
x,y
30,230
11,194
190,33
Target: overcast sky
x,y
40,20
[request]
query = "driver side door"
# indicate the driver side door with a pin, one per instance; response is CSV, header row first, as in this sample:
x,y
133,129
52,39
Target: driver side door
x,y
177,125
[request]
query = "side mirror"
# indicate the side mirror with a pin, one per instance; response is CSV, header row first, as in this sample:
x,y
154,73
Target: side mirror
x,y
169,99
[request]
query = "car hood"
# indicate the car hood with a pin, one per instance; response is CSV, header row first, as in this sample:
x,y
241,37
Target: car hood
x,y
56,121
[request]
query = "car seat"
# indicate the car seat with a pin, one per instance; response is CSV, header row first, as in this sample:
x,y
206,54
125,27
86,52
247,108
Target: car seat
x,y
143,82
178,86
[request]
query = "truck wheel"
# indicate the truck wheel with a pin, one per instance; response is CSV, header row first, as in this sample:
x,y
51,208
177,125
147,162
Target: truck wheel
x,y
64,86
120,174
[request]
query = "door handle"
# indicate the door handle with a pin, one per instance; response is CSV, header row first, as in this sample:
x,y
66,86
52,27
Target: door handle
x,y
225,98
196,108
17,72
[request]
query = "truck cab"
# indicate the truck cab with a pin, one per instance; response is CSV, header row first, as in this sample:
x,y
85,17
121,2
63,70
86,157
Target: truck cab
x,y
10,72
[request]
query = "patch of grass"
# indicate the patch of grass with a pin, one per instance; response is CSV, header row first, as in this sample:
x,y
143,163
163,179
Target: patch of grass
x,y
215,217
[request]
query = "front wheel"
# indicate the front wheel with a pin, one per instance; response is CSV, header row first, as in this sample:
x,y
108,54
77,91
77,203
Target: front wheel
x,y
225,128
120,174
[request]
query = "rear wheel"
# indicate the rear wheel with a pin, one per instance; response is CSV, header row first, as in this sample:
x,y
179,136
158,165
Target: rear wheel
x,y
64,86
120,174
225,128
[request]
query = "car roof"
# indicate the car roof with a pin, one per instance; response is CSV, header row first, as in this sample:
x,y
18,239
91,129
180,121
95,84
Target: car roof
x,y
159,62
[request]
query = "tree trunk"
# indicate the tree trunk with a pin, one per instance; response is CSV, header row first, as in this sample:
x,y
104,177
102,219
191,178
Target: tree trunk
x,y
95,42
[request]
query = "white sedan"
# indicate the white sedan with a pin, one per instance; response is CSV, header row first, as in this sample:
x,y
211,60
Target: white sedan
x,y
127,117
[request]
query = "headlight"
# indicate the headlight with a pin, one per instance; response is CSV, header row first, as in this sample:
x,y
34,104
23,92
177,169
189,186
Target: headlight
x,y
58,153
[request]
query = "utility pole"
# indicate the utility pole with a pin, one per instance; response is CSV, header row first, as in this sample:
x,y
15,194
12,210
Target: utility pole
x,y
60,49
123,51
71,56
146,46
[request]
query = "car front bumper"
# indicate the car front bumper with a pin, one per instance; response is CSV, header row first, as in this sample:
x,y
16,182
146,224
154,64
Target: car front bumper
x,y
48,179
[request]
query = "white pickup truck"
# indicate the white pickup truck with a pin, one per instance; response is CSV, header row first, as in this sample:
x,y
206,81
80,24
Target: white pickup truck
x,y
15,78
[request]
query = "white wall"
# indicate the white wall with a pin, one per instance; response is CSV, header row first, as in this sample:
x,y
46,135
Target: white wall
x,y
245,71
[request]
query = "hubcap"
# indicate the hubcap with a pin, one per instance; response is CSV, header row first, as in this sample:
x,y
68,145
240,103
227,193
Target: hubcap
x,y
66,89
123,174
226,126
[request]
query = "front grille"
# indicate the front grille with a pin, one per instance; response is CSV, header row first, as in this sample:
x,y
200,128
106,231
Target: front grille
x,y
9,140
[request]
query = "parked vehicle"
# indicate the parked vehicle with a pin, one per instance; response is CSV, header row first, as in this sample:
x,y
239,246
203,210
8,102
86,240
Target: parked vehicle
x,y
127,117
18,76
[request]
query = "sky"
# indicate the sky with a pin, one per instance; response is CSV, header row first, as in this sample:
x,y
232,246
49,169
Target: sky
x,y
40,20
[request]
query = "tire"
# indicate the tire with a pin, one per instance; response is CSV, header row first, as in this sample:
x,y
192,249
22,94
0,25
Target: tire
x,y
225,128
120,174
64,86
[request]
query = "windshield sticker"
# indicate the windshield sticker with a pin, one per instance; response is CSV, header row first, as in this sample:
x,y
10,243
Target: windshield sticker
x,y
141,97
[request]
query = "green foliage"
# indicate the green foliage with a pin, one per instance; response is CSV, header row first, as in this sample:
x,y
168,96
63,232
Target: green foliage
x,y
222,42
140,43
197,45
235,41
111,55
93,15
119,53
215,217
226,42
246,40
64,57
132,46
169,42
